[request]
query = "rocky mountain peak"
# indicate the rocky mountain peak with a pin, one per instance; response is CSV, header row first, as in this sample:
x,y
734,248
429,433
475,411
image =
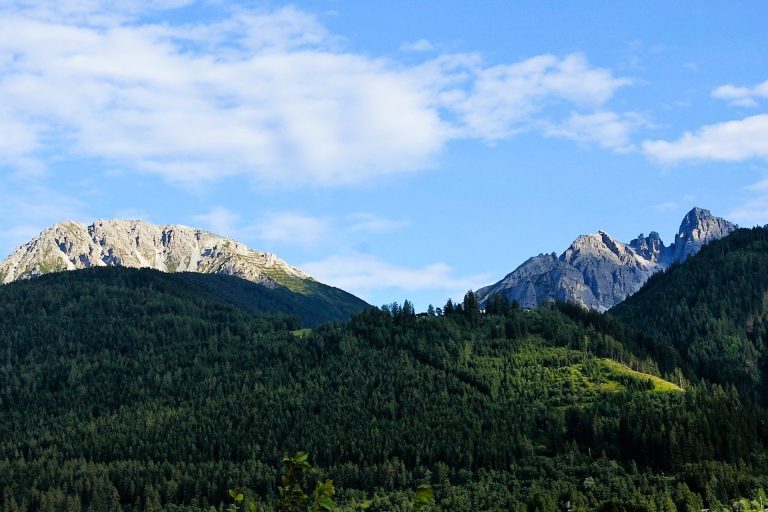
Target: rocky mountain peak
x,y
700,224
698,227
133,243
649,247
599,246
598,271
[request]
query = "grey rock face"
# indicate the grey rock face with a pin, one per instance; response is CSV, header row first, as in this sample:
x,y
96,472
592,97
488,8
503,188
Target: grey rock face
x,y
697,229
540,279
71,245
598,271
650,247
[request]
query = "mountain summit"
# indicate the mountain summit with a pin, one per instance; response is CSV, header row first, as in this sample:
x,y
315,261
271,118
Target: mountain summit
x,y
137,244
267,283
598,271
698,228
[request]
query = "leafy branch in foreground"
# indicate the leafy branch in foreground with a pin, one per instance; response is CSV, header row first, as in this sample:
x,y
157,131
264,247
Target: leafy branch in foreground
x,y
291,494
293,498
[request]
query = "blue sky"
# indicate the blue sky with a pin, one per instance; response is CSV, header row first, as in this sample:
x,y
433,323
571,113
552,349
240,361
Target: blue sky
x,y
395,149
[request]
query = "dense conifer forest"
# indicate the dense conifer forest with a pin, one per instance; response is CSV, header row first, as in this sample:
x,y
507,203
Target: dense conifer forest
x,y
709,316
134,390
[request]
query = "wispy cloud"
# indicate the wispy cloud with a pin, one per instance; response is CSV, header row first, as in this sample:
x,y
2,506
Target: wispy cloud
x,y
297,229
364,273
742,96
220,221
133,214
730,141
374,224
270,95
666,206
28,208
606,129
292,228
753,209
753,212
505,99
420,45
92,12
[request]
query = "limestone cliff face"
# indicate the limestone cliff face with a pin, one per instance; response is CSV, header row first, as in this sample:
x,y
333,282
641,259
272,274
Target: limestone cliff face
x,y
71,245
598,271
541,278
697,229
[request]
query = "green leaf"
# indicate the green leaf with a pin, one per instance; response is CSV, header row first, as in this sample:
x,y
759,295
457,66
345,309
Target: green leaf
x,y
239,497
424,496
326,503
324,489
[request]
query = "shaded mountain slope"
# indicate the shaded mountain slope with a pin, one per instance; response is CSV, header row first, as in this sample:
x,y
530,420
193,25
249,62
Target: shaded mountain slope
x,y
322,304
712,310
136,389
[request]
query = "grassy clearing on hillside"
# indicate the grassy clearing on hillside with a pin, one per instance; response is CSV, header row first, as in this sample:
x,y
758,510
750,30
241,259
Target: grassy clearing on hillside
x,y
659,384
608,376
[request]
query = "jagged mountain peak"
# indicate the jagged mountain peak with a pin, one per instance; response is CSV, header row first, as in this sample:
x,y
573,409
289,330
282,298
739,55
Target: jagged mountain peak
x,y
698,227
649,247
694,217
700,224
602,247
599,271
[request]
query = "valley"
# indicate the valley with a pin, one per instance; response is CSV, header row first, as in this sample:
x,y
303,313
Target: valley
x,y
139,389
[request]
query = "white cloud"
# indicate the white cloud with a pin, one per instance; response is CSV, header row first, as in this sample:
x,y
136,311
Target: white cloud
x,y
296,229
374,224
220,221
292,228
752,213
133,214
268,95
607,129
504,98
421,45
363,273
17,139
92,12
759,186
667,206
730,141
28,208
742,96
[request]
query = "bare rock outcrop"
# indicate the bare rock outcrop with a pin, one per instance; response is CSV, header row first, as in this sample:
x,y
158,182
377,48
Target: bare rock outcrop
x,y
597,271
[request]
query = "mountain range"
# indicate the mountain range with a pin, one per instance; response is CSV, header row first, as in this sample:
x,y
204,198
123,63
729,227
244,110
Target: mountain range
x,y
127,389
597,271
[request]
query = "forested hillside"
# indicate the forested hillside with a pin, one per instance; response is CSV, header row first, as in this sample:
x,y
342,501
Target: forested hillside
x,y
129,389
710,315
318,303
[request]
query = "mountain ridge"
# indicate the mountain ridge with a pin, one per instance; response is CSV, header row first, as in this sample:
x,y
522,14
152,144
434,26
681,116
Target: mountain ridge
x,y
597,271
178,249
710,314
72,245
